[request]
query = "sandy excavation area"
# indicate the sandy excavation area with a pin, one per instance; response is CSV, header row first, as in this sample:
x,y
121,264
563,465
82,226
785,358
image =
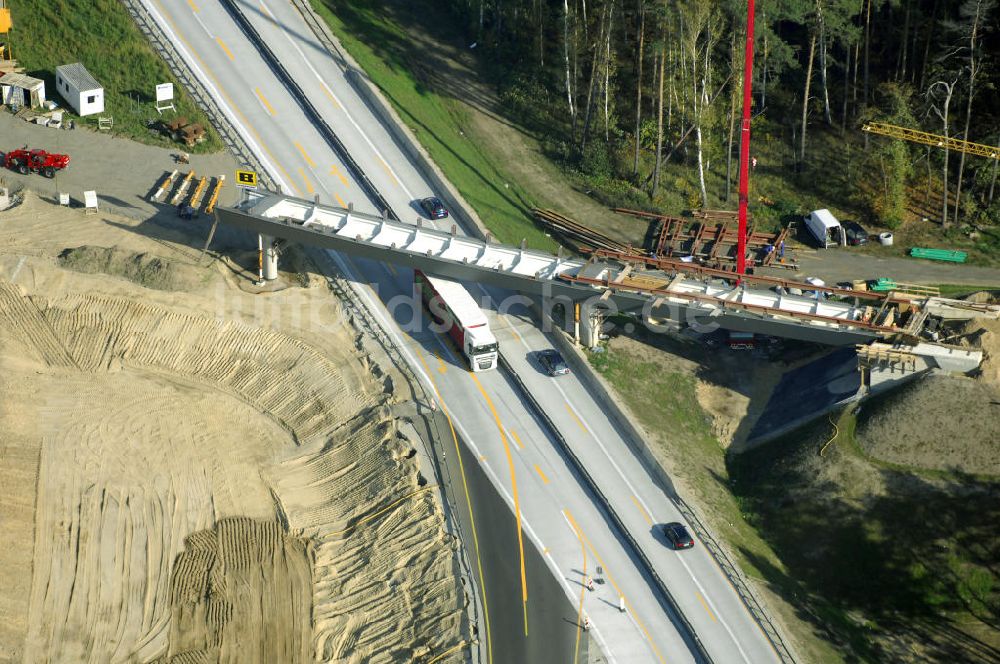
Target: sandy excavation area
x,y
196,474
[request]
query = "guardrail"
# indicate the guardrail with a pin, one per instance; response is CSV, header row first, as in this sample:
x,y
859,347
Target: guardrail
x,y
375,99
180,68
317,119
605,504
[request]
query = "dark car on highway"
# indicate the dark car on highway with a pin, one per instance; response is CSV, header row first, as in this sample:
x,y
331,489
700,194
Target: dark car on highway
x,y
855,233
678,536
553,363
434,208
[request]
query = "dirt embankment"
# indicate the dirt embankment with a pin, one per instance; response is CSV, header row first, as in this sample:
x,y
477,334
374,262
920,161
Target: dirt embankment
x,y
200,475
943,422
143,269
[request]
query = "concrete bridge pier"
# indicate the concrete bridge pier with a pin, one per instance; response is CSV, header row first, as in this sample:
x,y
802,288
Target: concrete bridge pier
x,y
588,321
268,258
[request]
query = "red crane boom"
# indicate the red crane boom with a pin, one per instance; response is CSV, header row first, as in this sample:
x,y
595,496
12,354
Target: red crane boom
x,y
741,246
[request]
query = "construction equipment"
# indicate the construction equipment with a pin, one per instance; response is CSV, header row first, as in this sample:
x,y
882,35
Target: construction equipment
x,y
8,64
25,161
944,142
182,190
213,198
164,187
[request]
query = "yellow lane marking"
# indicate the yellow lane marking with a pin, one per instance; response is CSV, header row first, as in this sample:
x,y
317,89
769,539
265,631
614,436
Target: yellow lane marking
x,y
441,365
573,414
225,95
583,586
225,48
645,514
517,439
340,200
388,170
305,155
705,604
628,605
194,7
545,480
468,502
309,186
517,500
336,171
332,98
263,100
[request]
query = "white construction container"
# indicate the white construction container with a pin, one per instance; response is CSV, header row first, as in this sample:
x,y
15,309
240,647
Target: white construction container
x,y
80,90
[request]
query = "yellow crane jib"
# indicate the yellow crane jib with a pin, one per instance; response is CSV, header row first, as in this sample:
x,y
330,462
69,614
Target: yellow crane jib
x,y
915,136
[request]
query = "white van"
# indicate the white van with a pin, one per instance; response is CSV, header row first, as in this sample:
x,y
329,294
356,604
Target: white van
x,y
826,229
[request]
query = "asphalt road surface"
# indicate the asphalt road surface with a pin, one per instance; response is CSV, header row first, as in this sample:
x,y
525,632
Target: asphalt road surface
x,y
559,518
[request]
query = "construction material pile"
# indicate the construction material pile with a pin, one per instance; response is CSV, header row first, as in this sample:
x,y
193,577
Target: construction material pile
x,y
577,236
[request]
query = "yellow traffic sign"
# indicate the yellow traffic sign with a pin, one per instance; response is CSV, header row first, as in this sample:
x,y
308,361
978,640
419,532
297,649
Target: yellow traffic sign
x,y
246,179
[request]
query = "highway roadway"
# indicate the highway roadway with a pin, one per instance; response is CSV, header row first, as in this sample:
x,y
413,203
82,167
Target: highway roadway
x,y
558,515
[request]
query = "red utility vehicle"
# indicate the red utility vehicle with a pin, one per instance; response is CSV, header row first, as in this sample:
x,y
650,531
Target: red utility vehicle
x,y
24,161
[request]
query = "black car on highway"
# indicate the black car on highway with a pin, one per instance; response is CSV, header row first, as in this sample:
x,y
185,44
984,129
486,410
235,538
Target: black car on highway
x,y
855,234
434,208
678,536
553,362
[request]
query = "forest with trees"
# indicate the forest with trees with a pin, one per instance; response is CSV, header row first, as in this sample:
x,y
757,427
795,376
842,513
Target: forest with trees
x,y
619,89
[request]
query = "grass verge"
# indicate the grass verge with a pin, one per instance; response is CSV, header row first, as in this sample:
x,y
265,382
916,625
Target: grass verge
x,y
893,561
665,403
375,39
101,35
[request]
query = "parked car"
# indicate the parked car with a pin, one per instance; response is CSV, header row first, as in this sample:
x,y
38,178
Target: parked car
x,y
553,363
678,536
434,208
856,235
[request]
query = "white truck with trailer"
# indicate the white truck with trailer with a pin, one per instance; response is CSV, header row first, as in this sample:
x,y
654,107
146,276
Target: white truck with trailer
x,y
451,307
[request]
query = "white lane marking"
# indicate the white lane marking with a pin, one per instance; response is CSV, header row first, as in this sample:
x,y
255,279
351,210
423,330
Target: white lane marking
x,y
638,497
746,658
354,281
343,107
202,24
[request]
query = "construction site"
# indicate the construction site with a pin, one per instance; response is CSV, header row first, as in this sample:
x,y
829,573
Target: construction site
x,y
172,494
252,411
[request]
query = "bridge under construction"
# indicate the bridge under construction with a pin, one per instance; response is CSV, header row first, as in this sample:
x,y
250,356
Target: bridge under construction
x,y
616,282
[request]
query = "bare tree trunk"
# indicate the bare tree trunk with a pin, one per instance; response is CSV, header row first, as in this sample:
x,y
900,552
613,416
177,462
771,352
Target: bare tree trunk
x,y
659,125
763,79
942,113
822,65
734,63
973,71
993,182
638,87
847,92
901,68
541,36
931,30
696,109
595,68
569,83
868,39
607,80
805,98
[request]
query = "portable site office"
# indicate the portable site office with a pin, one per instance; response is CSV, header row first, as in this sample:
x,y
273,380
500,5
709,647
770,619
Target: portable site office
x,y
80,90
